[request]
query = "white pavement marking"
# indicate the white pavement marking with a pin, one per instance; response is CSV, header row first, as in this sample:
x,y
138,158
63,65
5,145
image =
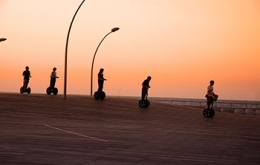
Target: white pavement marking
x,y
63,130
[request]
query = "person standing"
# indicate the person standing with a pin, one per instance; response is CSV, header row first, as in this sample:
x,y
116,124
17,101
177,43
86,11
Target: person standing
x,y
53,77
101,80
145,87
26,77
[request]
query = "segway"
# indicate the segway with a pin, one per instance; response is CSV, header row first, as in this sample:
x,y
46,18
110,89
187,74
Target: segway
x,y
28,90
144,103
50,90
209,112
99,95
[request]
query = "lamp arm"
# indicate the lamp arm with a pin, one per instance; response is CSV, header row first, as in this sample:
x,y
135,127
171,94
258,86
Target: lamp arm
x,y
94,60
66,51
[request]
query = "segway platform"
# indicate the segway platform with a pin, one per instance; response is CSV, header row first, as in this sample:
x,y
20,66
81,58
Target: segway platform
x,y
28,90
99,95
208,112
50,90
144,103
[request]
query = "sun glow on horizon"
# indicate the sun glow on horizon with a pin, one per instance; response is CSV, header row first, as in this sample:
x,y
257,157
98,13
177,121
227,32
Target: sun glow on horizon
x,y
181,44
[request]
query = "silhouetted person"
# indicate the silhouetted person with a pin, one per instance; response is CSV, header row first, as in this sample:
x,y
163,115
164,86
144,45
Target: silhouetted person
x,y
101,80
26,78
53,77
145,87
211,96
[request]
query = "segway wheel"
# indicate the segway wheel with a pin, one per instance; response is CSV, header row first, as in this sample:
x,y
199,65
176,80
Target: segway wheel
x,y
147,103
144,103
212,112
21,90
96,95
48,91
102,95
208,112
55,91
28,90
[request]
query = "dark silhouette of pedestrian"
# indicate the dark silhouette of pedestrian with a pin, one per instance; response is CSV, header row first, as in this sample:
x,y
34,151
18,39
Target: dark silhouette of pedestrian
x,y
211,96
145,87
53,77
101,80
26,78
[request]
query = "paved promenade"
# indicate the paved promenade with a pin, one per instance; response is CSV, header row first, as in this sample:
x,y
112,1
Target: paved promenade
x,y
39,129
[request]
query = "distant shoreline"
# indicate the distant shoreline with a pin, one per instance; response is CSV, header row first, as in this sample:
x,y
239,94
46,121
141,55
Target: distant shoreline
x,y
179,101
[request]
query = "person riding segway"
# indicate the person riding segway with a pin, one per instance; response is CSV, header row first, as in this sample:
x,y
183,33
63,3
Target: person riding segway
x,y
100,94
211,97
26,77
144,102
51,88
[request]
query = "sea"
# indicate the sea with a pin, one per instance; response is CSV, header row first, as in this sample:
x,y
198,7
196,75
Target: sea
x,y
243,104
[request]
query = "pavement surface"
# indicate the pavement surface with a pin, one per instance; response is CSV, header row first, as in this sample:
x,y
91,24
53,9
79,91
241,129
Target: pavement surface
x,y
39,129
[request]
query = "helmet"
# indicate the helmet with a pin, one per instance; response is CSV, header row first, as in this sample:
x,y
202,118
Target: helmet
x,y
27,67
149,77
211,82
54,68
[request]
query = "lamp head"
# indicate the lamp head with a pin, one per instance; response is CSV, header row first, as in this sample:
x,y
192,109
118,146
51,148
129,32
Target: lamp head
x,y
115,29
2,39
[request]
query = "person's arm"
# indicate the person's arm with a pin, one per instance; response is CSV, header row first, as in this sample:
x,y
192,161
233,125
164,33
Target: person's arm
x,y
145,85
100,77
55,75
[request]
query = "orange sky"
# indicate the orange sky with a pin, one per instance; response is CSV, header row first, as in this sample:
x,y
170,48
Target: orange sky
x,y
182,44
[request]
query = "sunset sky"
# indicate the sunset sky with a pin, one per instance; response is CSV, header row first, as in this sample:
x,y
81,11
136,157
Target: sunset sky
x,y
181,44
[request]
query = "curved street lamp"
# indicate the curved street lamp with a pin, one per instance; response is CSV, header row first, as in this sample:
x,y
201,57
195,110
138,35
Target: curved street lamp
x,y
2,39
91,86
66,51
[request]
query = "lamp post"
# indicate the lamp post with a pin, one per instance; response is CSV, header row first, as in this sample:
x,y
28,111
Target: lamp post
x,y
91,81
2,39
66,51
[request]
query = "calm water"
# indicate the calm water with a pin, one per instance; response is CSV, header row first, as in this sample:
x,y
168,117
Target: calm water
x,y
202,102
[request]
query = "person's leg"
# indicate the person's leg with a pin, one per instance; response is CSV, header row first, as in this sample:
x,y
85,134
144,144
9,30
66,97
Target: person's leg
x,y
209,102
50,83
25,84
144,92
100,87
53,80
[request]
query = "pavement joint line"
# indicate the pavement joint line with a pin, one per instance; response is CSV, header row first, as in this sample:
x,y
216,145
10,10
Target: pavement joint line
x,y
74,133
